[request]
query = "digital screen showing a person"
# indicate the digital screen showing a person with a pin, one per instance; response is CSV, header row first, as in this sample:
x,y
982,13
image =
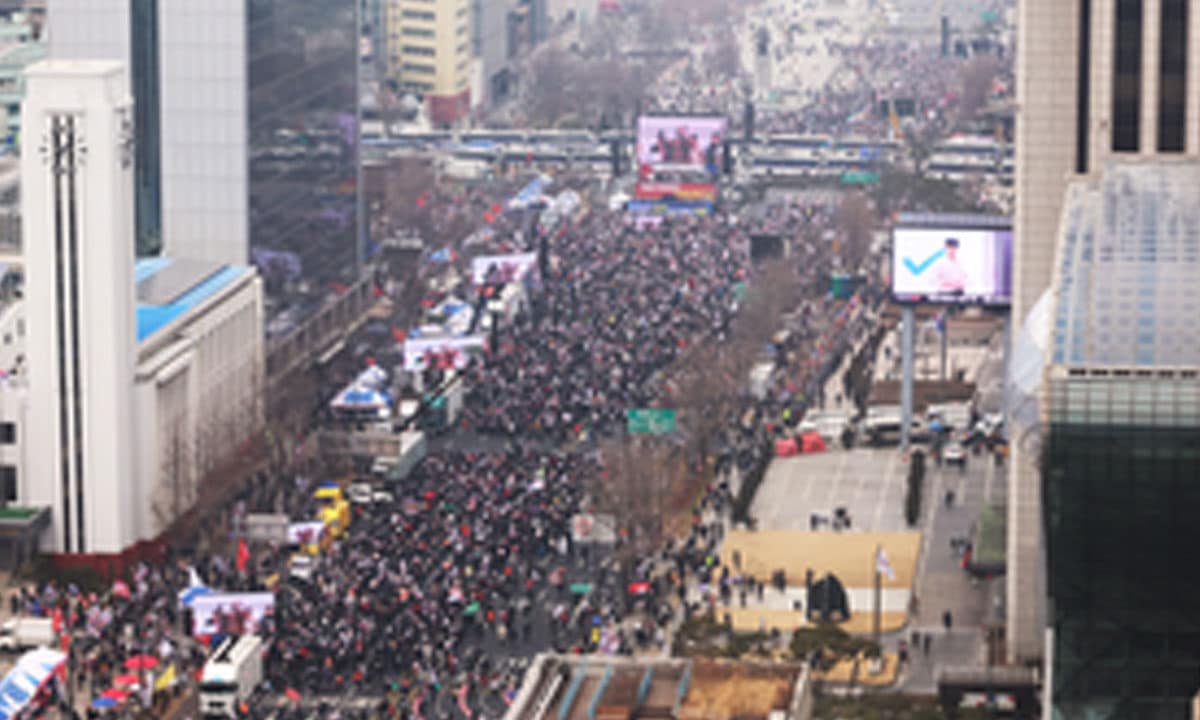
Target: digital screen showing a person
x,y
685,145
949,273
712,154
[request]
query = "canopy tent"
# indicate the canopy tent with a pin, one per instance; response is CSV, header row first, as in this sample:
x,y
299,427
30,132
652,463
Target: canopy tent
x,y
32,671
359,397
373,377
453,314
531,193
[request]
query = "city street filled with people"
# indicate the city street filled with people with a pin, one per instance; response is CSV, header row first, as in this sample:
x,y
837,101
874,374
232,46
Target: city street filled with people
x,y
433,597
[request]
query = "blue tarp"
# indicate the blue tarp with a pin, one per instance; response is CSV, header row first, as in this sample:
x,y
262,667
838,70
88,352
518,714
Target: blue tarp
x,y
362,397
531,192
21,684
187,595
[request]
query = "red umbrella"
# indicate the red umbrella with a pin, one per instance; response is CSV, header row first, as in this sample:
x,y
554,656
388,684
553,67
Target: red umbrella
x,y
129,679
141,662
115,694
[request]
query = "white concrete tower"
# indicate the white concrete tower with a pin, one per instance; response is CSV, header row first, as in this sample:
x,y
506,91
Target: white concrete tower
x,y
77,212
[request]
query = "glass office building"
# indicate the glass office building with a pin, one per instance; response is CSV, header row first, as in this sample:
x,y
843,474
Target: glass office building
x,y
1121,447
246,115
302,77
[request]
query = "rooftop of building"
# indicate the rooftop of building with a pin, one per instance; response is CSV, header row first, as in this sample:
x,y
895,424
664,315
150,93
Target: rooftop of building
x,y
168,288
1125,291
14,57
577,687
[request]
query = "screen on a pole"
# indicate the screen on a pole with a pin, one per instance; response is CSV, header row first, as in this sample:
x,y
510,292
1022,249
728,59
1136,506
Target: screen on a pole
x,y
952,266
681,140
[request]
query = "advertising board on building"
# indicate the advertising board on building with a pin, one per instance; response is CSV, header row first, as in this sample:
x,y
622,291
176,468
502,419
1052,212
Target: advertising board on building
x,y
952,266
683,191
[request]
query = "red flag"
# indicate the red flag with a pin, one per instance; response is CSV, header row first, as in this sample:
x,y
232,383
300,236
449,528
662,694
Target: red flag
x,y
421,201
292,694
497,208
243,555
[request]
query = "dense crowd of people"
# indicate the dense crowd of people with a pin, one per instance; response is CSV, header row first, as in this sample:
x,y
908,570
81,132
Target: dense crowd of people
x,y
618,304
474,559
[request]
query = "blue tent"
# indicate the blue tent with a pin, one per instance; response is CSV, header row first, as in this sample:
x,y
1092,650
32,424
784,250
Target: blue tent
x,y
359,397
21,684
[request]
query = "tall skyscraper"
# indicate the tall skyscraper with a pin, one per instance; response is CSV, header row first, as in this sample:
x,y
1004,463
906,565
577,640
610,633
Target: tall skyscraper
x,y
1098,81
76,197
247,128
429,52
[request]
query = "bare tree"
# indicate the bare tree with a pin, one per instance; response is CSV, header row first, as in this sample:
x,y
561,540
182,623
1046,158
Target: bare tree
x,y
708,384
725,56
550,85
174,492
636,488
978,75
856,222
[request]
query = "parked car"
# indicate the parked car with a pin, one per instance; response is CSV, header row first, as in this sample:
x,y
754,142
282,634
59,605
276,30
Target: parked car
x,y
954,454
302,567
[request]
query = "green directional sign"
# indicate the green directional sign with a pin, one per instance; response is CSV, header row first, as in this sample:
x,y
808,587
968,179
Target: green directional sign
x,y
859,177
650,421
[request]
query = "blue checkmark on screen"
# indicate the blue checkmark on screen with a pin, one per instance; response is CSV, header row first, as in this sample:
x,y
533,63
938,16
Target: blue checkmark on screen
x,y
918,268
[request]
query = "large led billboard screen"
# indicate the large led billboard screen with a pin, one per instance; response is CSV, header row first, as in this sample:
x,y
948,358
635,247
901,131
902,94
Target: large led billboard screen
x,y
681,141
952,265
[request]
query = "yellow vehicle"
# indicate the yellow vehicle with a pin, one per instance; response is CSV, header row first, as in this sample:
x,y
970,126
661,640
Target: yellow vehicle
x,y
334,508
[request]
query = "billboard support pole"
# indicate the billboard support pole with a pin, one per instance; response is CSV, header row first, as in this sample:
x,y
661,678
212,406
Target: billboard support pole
x,y
1008,320
945,333
906,381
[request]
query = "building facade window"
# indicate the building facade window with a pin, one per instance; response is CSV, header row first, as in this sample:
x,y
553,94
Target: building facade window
x,y
302,77
8,483
418,68
1172,74
419,15
417,32
8,433
418,50
148,122
1127,77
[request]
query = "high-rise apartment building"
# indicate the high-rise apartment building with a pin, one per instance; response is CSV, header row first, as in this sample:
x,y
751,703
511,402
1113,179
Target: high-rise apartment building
x,y
429,52
1098,81
247,131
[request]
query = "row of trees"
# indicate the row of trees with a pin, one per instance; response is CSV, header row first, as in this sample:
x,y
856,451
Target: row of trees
x,y
566,89
648,481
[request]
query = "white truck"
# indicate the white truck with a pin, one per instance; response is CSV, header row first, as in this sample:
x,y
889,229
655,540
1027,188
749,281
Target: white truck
x,y
413,449
22,633
230,676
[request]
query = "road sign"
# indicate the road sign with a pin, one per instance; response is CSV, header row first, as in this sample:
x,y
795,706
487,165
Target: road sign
x,y
650,421
264,527
859,177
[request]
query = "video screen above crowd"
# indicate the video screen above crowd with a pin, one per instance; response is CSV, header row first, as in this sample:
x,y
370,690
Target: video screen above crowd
x,y
952,266
681,141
